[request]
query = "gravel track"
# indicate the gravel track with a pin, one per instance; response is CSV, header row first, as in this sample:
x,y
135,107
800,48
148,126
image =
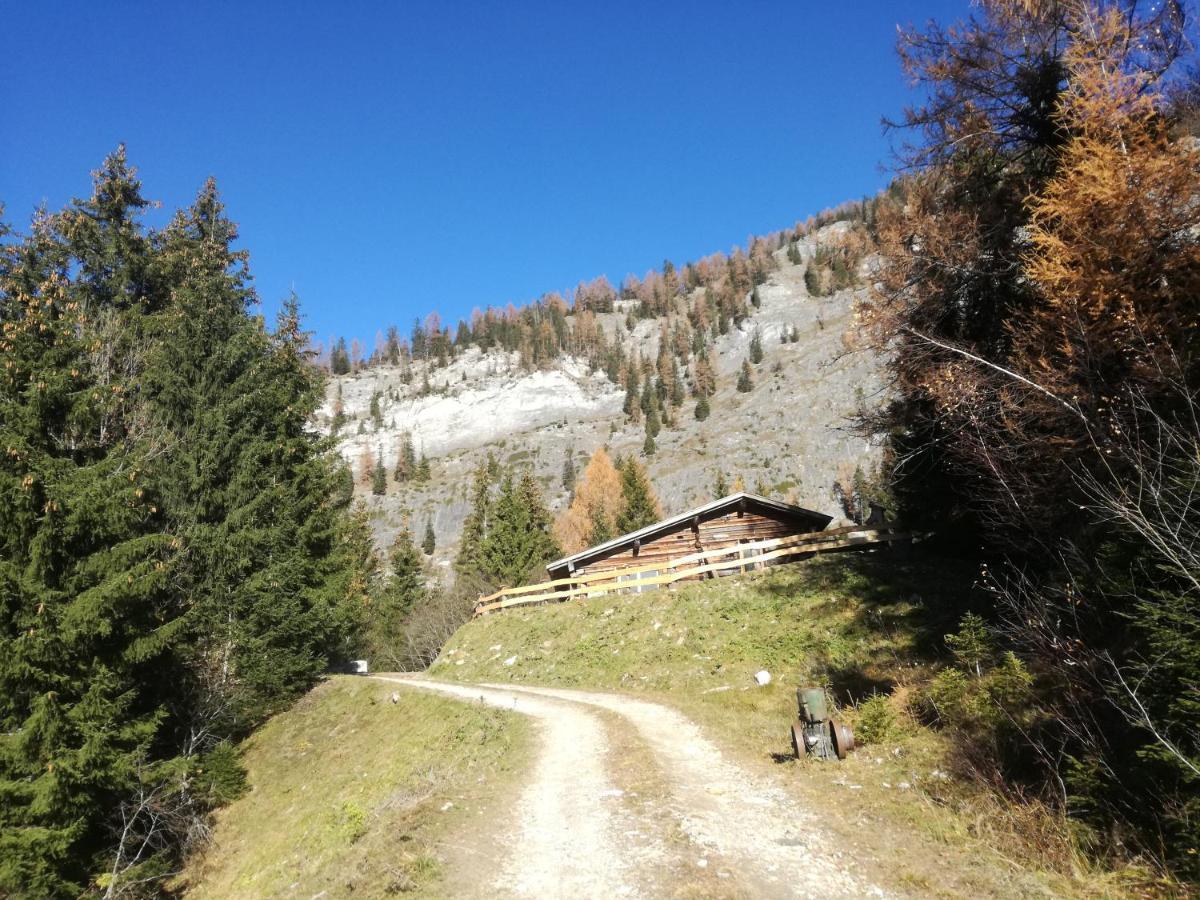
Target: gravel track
x,y
716,829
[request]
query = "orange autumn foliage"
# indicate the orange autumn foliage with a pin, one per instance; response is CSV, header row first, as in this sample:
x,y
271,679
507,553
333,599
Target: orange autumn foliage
x,y
598,501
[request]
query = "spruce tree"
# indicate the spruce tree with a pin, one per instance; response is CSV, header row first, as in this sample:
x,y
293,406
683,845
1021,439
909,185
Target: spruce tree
x,y
602,529
469,564
429,542
376,411
392,353
407,582
406,459
632,406
568,473
339,412
339,358
653,424
745,382
641,507
518,541
403,591
248,482
756,348
379,475
702,409
720,487
649,448
85,560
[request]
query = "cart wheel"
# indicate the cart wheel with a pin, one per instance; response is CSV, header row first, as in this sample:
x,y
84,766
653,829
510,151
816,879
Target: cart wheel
x,y
798,744
842,738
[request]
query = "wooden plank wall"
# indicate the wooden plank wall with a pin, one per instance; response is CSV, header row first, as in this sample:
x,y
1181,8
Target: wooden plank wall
x,y
716,533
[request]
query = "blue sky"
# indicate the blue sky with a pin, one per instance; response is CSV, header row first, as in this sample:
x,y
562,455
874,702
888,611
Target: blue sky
x,y
388,159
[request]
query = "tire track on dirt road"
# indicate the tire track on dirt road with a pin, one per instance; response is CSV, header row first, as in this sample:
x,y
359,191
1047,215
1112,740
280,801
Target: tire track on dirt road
x,y
569,835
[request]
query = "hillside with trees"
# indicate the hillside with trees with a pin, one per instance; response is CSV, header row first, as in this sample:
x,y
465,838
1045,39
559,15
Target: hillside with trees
x,y
673,394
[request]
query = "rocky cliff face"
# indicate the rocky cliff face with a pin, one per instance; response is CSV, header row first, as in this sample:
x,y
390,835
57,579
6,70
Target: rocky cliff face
x,y
788,438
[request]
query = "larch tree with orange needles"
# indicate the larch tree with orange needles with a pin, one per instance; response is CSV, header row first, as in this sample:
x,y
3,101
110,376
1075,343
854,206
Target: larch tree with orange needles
x,y
599,501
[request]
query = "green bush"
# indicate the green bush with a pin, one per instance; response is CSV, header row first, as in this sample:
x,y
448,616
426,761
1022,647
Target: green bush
x,y
876,721
982,703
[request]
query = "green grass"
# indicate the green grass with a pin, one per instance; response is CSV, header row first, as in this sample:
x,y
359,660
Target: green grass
x,y
833,621
861,625
347,794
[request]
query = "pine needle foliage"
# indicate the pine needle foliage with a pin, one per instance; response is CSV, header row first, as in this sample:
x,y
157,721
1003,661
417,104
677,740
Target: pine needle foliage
x,y
640,506
174,559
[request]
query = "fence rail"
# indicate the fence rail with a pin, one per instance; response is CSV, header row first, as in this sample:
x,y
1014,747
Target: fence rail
x,y
693,565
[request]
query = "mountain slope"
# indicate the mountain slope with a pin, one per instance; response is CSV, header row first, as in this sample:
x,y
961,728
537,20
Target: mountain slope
x,y
788,437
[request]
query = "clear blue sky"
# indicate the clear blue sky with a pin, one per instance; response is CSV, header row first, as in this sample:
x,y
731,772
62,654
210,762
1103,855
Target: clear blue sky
x,y
388,159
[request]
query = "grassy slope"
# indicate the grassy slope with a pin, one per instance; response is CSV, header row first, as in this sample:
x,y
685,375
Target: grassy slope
x,y
857,623
347,794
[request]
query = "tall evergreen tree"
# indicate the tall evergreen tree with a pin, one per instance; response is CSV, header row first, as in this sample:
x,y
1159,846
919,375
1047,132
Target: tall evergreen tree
x,y
568,473
676,383
248,482
85,561
641,507
745,382
756,348
602,527
379,475
402,592
376,410
339,412
469,564
339,358
406,459
392,351
424,470
653,425
720,485
518,541
429,541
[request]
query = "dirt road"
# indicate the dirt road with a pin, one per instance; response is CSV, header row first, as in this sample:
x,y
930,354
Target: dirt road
x,y
627,798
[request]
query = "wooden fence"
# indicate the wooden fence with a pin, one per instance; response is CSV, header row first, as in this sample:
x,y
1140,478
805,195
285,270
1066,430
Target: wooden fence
x,y
741,557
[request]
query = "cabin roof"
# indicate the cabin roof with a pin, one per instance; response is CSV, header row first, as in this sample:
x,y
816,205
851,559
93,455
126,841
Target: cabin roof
x,y
708,510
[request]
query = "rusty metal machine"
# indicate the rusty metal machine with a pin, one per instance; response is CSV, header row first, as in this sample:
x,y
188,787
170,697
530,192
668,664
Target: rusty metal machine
x,y
815,732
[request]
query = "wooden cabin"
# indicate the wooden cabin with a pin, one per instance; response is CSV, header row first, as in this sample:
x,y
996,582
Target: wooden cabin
x,y
740,518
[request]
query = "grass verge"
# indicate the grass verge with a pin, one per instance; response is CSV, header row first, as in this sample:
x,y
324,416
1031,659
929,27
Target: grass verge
x,y
351,793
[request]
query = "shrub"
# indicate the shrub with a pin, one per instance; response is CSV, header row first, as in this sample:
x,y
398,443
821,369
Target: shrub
x,y
876,720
